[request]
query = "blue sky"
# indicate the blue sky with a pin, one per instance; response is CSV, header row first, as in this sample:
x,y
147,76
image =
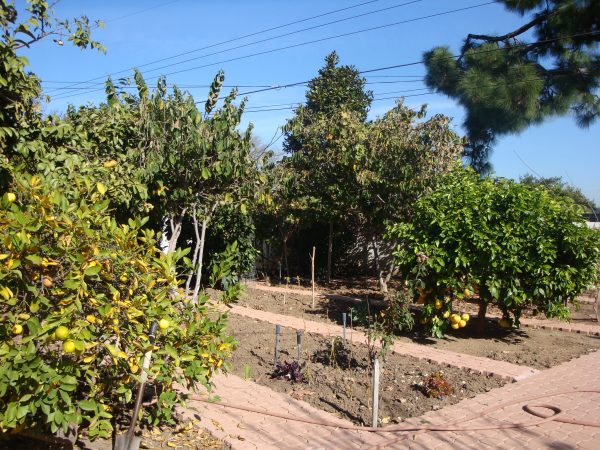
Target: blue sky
x,y
140,32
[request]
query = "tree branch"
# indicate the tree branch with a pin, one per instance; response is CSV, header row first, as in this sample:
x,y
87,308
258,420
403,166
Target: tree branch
x,y
484,37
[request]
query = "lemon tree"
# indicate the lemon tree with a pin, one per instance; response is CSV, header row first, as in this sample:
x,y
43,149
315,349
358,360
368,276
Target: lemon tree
x,y
499,241
77,295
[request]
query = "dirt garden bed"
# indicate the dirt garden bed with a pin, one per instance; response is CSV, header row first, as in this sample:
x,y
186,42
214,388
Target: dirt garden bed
x,y
537,348
340,382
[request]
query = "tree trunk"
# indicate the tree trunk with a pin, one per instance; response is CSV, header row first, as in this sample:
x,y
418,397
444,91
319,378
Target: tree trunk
x,y
195,257
329,251
480,326
312,275
382,281
175,231
200,258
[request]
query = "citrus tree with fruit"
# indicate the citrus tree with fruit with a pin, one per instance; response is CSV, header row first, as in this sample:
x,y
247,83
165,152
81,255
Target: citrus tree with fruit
x,y
499,241
78,293
78,288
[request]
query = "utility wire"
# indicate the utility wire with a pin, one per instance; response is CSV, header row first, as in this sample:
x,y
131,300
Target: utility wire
x,y
272,38
430,92
414,63
327,38
499,49
156,61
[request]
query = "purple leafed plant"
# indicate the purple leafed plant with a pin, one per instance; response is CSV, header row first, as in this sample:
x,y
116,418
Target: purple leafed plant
x,y
289,371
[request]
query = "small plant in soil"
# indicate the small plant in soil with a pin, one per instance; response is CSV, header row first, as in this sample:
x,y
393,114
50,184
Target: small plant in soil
x,y
437,386
289,371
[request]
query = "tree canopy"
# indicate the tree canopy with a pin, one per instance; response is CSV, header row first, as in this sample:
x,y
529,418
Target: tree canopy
x,y
548,66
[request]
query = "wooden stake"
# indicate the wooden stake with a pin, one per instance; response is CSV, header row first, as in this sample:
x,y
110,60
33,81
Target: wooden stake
x,y
375,397
298,343
277,333
344,328
312,275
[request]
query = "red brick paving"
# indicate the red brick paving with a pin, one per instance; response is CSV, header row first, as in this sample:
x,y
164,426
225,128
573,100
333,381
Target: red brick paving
x,y
248,430
500,369
548,324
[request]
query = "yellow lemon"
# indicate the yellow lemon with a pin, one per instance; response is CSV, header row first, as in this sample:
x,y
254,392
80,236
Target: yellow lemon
x,y
446,314
11,197
462,323
455,326
465,317
90,318
62,333
455,318
163,324
17,329
69,346
467,293
439,304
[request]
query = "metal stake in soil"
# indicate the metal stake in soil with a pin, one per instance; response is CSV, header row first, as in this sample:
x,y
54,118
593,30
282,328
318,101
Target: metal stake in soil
x,y
298,343
277,333
375,391
344,328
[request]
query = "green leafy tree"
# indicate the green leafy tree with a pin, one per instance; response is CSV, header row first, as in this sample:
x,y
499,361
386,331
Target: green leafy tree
x,y
20,90
516,246
78,290
403,158
557,186
336,103
511,81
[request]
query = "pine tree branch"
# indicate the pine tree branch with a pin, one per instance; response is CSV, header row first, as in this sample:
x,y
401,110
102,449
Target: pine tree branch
x,y
484,37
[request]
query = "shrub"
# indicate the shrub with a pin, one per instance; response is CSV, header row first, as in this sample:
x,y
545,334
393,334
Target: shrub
x,y
514,245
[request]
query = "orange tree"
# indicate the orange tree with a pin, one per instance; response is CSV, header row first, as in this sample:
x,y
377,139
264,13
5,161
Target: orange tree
x,y
77,295
516,246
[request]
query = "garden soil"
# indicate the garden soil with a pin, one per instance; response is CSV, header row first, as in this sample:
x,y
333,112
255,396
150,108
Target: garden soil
x,y
537,348
338,378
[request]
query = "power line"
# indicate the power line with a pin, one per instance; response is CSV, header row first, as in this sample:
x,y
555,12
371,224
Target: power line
x,y
301,44
156,61
248,44
161,5
525,44
502,49
272,38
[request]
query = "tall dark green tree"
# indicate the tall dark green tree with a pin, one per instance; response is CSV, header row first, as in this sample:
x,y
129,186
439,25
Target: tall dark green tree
x,y
334,98
548,66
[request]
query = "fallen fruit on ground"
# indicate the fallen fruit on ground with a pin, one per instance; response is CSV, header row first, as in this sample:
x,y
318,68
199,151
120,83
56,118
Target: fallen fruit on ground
x,y
48,282
163,324
17,329
11,197
504,323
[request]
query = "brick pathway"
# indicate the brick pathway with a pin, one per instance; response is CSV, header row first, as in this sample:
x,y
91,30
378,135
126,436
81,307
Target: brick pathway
x,y
548,324
248,430
500,369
